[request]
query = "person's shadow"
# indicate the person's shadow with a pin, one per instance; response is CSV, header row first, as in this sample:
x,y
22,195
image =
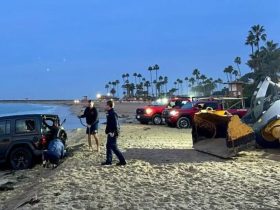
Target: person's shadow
x,y
169,156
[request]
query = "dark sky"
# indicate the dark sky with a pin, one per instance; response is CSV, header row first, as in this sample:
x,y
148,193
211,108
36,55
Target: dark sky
x,y
67,49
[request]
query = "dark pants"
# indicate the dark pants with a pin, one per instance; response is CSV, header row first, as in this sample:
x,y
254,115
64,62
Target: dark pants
x,y
112,146
51,157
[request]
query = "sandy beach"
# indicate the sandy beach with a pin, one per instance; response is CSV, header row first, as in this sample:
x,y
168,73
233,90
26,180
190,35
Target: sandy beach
x,y
163,172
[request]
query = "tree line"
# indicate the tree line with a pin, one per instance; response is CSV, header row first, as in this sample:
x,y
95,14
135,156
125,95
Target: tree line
x,y
264,60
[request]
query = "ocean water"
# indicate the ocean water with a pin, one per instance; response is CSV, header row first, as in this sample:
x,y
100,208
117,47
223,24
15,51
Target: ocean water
x,y
63,112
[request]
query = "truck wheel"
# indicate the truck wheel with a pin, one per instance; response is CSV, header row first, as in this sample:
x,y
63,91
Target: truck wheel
x,y
183,122
157,120
21,158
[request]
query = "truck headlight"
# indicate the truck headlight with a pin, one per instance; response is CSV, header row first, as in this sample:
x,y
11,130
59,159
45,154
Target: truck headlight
x,y
149,111
174,113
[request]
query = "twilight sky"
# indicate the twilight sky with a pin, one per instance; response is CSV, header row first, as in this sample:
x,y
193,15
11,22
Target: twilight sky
x,y
65,49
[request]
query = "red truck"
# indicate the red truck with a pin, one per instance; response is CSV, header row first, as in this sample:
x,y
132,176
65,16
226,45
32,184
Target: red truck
x,y
153,113
182,117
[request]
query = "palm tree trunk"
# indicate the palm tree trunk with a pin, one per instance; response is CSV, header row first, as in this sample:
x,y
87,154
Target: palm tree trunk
x,y
227,77
152,83
156,83
238,71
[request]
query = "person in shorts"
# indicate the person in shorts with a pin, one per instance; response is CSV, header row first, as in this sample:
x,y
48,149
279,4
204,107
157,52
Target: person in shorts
x,y
91,115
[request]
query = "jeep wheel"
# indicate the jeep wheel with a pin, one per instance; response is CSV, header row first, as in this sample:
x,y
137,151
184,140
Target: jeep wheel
x,y
21,158
183,122
157,120
62,135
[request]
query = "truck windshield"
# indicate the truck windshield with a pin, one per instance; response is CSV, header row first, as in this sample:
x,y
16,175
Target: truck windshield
x,y
188,105
178,103
158,103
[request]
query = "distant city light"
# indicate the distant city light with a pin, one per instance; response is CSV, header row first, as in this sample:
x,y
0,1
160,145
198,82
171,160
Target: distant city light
x,y
98,95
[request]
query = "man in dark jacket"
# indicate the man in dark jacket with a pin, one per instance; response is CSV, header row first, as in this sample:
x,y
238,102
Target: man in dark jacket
x,y
91,115
112,131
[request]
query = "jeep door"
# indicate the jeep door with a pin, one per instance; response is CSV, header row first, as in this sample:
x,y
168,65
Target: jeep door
x,y
5,137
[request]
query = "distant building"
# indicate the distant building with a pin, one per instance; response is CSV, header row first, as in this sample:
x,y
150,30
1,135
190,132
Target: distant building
x,y
85,98
235,89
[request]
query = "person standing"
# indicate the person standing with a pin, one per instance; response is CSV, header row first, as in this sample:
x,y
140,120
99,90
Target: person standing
x,y
91,115
112,131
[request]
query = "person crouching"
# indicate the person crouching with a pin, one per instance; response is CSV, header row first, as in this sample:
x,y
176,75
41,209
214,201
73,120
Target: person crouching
x,y
54,153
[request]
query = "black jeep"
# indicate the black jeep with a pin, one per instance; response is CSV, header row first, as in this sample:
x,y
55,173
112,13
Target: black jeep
x,y
24,137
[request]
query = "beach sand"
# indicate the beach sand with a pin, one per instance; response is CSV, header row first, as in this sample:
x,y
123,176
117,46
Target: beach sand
x,y
163,172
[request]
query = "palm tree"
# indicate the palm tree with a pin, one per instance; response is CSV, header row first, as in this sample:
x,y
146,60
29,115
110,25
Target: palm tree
x,y
156,84
147,84
165,79
266,62
226,71
187,83
192,81
250,40
113,92
235,73
114,84
156,68
127,77
109,83
219,81
139,77
107,88
160,84
259,34
237,60
123,77
150,69
117,84
135,77
196,73
175,85
230,70
203,77
181,86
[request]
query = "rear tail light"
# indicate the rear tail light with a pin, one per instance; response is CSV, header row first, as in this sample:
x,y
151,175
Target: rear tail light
x,y
43,140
